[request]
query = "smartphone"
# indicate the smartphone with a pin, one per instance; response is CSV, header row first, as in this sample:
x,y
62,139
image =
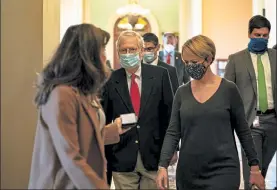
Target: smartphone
x,y
254,187
128,120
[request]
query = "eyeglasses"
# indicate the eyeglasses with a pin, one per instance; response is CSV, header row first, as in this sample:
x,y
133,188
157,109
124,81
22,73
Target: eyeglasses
x,y
149,49
128,50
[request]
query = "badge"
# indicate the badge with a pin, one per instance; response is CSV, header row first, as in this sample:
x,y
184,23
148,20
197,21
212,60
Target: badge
x,y
256,122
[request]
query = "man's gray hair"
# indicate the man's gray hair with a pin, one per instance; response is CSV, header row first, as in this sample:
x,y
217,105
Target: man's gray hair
x,y
130,33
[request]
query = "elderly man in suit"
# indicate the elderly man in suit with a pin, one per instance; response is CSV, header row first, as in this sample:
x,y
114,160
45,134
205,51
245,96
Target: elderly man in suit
x,y
173,58
144,90
254,72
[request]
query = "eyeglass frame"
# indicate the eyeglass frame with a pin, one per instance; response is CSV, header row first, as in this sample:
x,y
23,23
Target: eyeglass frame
x,y
150,50
128,50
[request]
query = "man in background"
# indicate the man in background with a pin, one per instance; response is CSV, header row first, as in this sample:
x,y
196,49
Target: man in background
x,y
173,58
254,72
151,48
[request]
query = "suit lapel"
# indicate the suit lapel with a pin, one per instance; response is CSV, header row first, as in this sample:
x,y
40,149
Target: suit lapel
x,y
250,68
273,70
146,87
121,87
92,115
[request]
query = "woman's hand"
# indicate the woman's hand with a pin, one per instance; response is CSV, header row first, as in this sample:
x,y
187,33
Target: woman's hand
x,y
162,179
256,177
174,158
118,122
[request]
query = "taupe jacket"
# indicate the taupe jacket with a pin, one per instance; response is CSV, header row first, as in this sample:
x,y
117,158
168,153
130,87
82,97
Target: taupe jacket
x,y
69,146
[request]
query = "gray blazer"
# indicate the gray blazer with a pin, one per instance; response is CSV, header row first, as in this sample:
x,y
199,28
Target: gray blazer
x,y
69,147
240,70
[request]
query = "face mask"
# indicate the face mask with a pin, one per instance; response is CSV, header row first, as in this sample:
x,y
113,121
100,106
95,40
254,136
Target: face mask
x,y
258,45
169,48
129,61
149,57
196,70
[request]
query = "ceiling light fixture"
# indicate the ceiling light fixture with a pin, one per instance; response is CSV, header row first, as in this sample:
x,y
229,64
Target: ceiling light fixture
x,y
132,8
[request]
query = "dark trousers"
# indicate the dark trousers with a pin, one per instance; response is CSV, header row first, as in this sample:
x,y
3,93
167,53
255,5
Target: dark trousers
x,y
109,176
265,140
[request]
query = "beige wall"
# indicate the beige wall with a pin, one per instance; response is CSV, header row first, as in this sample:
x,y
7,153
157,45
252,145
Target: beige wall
x,y
51,28
71,13
226,23
21,56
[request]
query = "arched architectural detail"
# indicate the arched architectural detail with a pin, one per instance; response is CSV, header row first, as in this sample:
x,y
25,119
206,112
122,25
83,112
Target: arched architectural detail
x,y
110,47
117,31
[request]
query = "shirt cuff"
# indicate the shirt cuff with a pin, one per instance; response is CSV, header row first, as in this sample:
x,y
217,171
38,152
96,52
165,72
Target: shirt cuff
x,y
254,162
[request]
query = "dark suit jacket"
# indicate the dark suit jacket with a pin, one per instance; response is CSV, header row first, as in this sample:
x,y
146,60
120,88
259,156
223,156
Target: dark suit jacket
x,y
155,109
182,74
172,75
69,146
240,70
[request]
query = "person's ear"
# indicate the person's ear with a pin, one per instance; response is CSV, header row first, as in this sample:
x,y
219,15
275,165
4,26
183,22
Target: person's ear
x,y
158,47
210,59
249,35
176,40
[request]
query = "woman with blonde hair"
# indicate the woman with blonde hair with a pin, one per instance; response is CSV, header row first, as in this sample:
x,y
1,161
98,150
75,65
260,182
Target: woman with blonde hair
x,y
205,114
71,132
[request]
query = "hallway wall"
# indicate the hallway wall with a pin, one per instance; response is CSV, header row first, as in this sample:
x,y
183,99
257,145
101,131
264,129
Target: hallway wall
x,y
270,13
227,24
21,57
165,11
71,13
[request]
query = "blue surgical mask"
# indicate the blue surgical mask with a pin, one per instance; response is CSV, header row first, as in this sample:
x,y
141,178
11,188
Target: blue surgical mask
x,y
130,60
196,70
149,57
257,45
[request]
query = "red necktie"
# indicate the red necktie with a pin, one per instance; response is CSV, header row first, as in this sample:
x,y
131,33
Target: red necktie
x,y
168,59
135,96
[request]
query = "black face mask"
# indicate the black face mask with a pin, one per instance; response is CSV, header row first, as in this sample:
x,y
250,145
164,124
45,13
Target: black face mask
x,y
196,70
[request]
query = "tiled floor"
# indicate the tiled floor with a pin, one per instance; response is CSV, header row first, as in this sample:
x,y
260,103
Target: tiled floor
x,y
270,179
